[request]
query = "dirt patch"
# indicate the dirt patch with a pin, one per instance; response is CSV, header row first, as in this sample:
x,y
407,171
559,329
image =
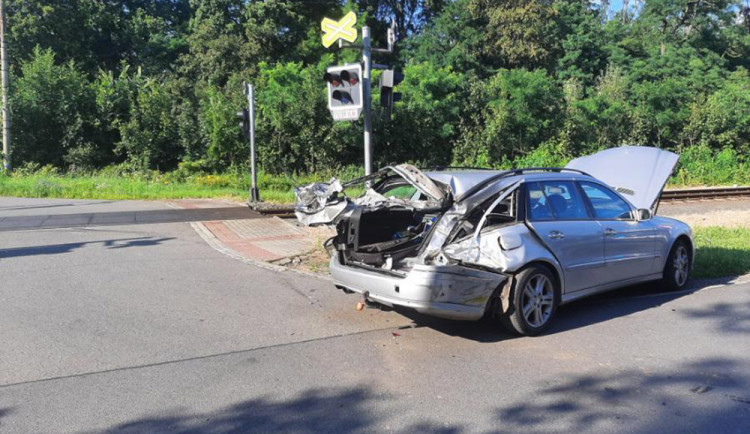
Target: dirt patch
x,y
726,213
315,261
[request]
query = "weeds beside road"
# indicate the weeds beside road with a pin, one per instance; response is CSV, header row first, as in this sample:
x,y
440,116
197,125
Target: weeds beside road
x,y
721,251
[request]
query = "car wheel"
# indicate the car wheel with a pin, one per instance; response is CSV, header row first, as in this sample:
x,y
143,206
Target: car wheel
x,y
533,301
677,270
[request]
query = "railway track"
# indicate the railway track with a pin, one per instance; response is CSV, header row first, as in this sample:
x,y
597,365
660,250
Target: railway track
x,y
688,194
705,193
280,212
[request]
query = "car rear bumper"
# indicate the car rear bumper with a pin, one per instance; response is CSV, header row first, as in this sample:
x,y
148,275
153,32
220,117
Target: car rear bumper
x,y
450,291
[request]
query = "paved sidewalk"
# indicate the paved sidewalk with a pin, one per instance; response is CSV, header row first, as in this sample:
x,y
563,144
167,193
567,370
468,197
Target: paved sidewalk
x,y
265,239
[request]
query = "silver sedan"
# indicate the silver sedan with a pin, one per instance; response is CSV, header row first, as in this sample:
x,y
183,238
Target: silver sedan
x,y
512,245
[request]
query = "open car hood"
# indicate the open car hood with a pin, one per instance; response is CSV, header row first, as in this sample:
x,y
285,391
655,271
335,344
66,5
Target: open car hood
x,y
639,173
326,204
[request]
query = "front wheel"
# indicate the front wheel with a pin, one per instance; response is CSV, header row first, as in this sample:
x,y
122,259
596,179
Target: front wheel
x,y
677,269
533,301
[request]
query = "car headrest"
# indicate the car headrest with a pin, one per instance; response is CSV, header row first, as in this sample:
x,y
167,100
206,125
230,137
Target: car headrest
x,y
559,204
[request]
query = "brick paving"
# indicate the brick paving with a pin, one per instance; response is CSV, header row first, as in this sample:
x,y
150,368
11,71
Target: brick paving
x,y
259,239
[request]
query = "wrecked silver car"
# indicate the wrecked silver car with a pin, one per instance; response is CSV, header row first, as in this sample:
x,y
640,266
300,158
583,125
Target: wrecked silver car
x,y
513,245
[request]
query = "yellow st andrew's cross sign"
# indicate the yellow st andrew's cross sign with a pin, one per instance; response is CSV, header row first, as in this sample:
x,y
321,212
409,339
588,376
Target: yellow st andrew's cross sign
x,y
342,29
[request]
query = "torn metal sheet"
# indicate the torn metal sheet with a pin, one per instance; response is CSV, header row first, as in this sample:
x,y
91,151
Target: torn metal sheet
x,y
319,204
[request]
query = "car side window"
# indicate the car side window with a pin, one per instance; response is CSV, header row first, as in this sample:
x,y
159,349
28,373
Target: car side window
x,y
537,202
558,200
606,204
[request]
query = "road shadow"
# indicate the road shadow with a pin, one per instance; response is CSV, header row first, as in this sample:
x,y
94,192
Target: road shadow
x,y
335,410
726,318
4,412
119,218
57,249
484,331
24,207
709,395
592,310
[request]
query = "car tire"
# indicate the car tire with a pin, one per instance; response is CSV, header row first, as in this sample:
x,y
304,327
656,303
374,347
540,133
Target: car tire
x,y
534,299
678,267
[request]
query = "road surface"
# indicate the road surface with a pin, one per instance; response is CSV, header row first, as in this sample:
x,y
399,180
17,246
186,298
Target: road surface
x,y
139,326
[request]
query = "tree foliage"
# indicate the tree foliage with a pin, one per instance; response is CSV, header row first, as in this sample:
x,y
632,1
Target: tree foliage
x,y
488,82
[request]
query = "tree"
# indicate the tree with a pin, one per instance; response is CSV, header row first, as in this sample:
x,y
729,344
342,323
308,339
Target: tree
x,y
216,42
425,122
149,138
522,109
454,39
53,108
295,131
99,34
520,33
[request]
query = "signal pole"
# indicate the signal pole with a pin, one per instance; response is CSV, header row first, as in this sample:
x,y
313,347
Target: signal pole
x,y
367,103
254,192
5,72
340,30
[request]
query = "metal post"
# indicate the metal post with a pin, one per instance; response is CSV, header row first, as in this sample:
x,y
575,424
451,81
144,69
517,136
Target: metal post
x,y
366,74
5,112
254,193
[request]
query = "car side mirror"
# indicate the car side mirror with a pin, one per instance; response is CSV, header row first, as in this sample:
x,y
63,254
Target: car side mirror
x,y
643,214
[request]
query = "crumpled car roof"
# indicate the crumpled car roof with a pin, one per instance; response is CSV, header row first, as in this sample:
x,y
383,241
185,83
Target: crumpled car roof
x,y
462,180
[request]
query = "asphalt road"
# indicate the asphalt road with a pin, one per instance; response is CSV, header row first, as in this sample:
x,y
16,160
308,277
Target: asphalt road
x,y
142,327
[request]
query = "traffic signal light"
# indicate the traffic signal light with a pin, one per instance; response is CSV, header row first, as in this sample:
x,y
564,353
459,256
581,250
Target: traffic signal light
x,y
345,92
389,79
243,116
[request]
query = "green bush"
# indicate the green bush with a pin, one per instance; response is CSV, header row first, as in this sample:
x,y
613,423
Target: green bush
x,y
54,108
701,165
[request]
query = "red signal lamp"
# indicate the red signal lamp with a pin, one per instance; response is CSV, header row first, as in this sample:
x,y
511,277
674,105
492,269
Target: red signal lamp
x,y
334,79
349,77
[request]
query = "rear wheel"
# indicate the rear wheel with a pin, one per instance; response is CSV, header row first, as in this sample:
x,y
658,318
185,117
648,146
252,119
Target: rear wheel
x,y
533,301
677,269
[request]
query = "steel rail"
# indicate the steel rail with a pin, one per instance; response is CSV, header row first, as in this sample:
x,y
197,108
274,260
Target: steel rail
x,y
705,193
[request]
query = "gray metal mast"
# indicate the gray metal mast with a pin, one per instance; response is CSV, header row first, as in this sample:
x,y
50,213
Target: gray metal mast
x,y
254,192
5,72
367,103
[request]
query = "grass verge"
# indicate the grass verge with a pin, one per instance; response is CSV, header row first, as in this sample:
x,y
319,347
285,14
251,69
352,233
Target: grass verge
x,y
153,186
721,251
119,188
100,187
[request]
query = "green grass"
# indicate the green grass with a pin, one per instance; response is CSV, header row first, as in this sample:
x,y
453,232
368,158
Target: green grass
x,y
721,251
104,187
154,185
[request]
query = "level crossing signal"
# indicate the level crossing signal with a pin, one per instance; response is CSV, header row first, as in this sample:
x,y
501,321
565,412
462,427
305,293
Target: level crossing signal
x,y
345,91
389,79
243,116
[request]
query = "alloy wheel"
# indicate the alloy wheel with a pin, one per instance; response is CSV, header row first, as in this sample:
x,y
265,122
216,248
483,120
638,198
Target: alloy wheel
x,y
681,265
537,300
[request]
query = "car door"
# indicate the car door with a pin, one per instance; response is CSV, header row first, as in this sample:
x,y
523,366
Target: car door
x,y
558,214
629,244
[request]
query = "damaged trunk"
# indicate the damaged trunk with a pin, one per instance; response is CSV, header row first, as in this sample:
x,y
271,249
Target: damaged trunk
x,y
384,226
390,228
382,237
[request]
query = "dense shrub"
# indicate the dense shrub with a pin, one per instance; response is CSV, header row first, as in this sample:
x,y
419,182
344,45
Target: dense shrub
x,y
155,86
